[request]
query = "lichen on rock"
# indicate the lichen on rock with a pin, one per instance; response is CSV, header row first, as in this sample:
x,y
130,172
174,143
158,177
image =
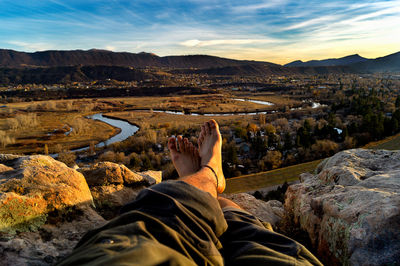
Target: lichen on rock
x,y
35,185
113,185
351,207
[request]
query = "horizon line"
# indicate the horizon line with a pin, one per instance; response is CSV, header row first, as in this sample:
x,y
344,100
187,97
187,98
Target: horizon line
x,y
154,54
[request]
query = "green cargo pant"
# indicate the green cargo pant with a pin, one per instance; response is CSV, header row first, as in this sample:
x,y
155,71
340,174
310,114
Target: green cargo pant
x,y
174,223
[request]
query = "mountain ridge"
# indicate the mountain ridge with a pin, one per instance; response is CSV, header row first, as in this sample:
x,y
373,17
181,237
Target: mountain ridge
x,y
95,57
55,66
342,61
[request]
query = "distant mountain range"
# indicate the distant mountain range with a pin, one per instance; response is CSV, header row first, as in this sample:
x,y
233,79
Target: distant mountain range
x,y
348,64
344,61
95,57
78,65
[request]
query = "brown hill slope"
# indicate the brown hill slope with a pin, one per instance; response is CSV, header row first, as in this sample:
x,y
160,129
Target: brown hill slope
x,y
11,58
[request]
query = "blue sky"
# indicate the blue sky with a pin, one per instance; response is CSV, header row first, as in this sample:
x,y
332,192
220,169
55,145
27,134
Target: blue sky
x,y
276,30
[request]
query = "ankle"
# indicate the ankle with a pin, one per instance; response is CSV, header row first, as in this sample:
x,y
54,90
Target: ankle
x,y
213,172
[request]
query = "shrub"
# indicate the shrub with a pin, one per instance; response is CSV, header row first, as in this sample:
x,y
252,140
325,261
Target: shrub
x,y
5,139
324,148
78,126
67,157
22,121
262,119
272,160
349,143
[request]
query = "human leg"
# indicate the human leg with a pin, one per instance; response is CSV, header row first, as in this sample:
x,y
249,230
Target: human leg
x,y
175,222
210,151
184,156
186,160
171,223
247,241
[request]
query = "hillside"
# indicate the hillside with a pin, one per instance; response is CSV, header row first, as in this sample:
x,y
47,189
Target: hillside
x,y
344,61
389,63
356,63
14,59
50,75
49,67
260,70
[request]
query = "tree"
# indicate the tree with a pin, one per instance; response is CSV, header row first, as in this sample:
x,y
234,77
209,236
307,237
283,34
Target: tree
x,y
272,160
397,104
230,151
92,148
324,148
262,119
240,132
304,137
288,142
67,157
269,129
253,128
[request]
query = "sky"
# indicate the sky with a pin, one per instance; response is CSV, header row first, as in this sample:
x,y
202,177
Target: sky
x,y
278,31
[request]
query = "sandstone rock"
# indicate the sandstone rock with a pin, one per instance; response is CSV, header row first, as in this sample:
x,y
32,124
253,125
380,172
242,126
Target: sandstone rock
x,y
50,243
107,173
45,208
271,211
351,208
152,177
5,168
109,199
114,185
36,186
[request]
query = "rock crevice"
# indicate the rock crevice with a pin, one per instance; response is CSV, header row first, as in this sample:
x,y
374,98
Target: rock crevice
x,y
351,207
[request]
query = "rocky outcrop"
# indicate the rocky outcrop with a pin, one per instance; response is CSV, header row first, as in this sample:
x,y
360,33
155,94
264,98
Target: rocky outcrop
x,y
107,173
271,211
46,207
52,241
114,185
33,186
351,208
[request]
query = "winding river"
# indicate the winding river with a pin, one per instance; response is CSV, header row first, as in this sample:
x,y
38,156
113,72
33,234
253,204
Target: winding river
x,y
128,129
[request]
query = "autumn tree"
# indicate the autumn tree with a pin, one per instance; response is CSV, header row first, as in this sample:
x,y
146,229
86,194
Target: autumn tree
x,y
272,160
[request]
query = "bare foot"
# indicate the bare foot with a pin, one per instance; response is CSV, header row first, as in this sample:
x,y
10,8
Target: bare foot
x,y
210,148
186,160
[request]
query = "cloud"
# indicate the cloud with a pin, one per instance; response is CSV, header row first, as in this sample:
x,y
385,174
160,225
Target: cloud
x,y
314,21
30,46
197,43
110,48
252,29
259,6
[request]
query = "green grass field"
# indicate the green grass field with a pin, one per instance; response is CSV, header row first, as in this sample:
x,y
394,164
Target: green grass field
x,y
291,173
390,143
270,178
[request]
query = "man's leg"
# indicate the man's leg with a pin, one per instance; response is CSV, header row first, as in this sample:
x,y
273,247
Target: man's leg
x,y
248,242
210,146
175,222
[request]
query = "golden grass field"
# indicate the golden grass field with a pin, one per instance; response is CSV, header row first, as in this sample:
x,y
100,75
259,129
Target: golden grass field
x,y
279,176
156,119
270,178
33,139
206,103
390,143
56,116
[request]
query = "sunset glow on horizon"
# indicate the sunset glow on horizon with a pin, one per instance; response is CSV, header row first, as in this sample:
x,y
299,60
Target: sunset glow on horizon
x,y
278,31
